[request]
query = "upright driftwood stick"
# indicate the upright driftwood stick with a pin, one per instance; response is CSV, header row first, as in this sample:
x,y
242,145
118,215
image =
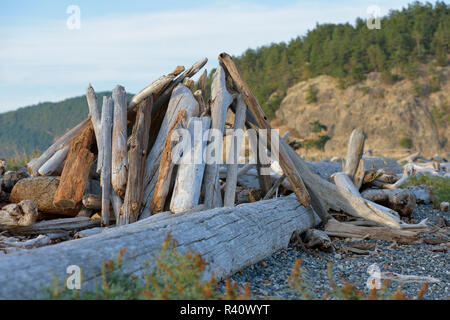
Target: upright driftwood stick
x,y
186,192
236,142
166,166
76,171
354,152
106,142
55,162
261,119
95,113
119,166
221,100
129,212
35,164
182,99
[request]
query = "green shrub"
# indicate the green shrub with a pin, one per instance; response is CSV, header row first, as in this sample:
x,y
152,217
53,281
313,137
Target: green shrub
x,y
405,142
317,127
439,187
169,275
311,95
318,143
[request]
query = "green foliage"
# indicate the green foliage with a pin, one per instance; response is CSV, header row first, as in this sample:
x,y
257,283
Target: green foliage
x,y
364,89
318,143
348,52
317,126
441,113
169,275
405,142
439,187
36,127
311,94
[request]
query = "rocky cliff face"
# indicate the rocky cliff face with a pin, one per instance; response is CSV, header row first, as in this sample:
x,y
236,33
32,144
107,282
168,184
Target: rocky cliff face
x,y
408,114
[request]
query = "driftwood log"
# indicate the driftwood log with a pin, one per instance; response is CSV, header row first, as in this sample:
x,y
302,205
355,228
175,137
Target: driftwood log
x,y
106,161
221,99
57,226
400,200
95,115
167,164
55,164
119,166
138,152
182,99
186,192
76,171
24,213
241,236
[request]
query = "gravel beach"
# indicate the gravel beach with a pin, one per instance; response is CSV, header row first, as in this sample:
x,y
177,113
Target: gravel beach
x,y
269,278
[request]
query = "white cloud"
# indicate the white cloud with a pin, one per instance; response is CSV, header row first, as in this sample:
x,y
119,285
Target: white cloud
x,y
135,49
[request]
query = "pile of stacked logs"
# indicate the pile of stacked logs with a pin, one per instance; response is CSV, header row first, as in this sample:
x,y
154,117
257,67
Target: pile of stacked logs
x,y
119,161
114,179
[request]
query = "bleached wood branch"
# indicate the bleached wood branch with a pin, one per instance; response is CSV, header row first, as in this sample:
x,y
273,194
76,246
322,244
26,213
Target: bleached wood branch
x,y
186,192
119,166
221,99
106,142
236,142
55,163
95,114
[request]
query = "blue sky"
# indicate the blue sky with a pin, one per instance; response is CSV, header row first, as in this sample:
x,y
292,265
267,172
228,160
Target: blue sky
x,y
133,42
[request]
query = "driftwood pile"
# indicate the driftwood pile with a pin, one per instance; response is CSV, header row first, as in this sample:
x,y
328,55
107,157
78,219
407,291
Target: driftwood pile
x,y
115,174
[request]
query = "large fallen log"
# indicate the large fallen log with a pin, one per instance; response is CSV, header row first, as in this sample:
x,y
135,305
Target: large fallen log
x,y
229,239
402,201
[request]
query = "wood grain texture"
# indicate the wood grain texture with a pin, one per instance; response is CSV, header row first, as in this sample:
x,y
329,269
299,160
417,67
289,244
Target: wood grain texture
x,y
119,165
235,148
221,99
55,163
355,151
106,142
186,192
129,211
182,99
166,165
76,171
229,239
96,118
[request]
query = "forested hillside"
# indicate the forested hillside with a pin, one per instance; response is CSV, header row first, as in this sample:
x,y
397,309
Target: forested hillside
x,y
348,52
35,127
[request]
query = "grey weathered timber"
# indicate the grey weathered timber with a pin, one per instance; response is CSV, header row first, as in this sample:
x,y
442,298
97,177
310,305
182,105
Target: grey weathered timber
x,y
95,113
182,99
236,142
106,142
119,166
229,239
221,99
55,163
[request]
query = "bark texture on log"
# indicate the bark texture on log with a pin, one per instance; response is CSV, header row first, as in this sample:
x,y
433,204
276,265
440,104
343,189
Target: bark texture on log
x,y
285,162
119,166
335,228
399,200
253,232
166,165
76,171
129,212
42,191
106,142
95,115
182,99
